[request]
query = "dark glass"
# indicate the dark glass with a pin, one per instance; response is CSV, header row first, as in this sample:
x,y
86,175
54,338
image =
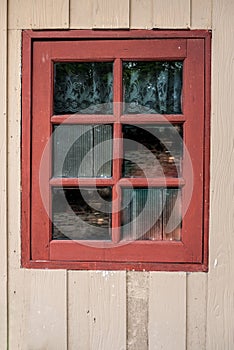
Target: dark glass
x,y
152,87
81,214
83,87
152,150
151,214
82,151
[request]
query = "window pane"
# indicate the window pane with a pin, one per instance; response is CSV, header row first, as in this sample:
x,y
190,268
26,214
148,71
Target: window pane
x,y
152,87
83,87
82,151
152,150
151,214
83,214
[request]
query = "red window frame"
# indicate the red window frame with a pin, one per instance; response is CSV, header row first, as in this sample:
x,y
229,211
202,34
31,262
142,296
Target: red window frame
x,y
40,50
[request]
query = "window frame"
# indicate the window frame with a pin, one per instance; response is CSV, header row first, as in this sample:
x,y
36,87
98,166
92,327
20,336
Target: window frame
x,y
191,254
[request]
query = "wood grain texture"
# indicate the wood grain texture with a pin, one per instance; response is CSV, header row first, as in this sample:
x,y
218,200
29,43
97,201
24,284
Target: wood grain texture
x,y
141,14
171,14
3,162
81,14
220,321
111,14
37,299
97,310
167,311
196,311
201,14
137,310
38,310
38,14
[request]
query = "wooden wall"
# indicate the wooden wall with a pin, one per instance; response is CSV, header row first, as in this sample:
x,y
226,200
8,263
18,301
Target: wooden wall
x,y
42,309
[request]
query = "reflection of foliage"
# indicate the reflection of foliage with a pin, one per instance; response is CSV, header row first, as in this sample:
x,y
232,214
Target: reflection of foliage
x,y
83,87
152,87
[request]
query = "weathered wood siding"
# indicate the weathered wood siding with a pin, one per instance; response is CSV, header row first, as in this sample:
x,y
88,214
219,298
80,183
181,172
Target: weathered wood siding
x,y
118,310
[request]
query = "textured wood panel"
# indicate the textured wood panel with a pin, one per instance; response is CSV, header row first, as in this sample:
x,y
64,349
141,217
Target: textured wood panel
x,y
137,310
111,14
141,14
3,150
167,311
97,310
201,14
81,14
196,311
37,299
38,14
220,320
171,14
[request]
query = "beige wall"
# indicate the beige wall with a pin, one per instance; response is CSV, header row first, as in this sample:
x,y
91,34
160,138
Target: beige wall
x,y
118,310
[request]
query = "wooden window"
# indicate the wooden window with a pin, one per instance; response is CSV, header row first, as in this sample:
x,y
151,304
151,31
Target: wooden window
x,y
115,149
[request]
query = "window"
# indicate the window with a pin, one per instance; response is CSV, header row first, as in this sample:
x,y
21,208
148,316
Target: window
x,y
115,149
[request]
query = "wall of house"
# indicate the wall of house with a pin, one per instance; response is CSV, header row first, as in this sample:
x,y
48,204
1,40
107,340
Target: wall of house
x,y
58,309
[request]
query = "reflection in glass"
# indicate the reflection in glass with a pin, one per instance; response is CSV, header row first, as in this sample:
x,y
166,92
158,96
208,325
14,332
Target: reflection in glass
x,y
152,87
81,214
83,87
82,151
152,150
151,214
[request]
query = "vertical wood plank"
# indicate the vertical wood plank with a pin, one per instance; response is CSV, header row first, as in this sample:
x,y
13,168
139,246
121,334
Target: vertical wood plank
x,y
38,14
137,310
201,14
37,299
196,311
97,310
111,14
141,14
220,321
167,311
3,162
81,14
171,14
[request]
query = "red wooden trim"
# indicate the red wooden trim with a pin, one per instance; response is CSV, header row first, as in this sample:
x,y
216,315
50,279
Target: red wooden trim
x,y
91,50
82,119
151,182
151,118
25,154
117,34
75,182
196,128
128,266
143,251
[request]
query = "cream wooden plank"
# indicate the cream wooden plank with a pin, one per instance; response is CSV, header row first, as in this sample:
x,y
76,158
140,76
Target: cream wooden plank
x,y
171,13
220,320
3,197
196,311
111,14
141,14
38,14
137,310
201,14
37,299
38,310
167,311
97,310
81,14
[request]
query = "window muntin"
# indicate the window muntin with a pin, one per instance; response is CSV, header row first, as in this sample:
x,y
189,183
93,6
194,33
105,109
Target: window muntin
x,y
189,249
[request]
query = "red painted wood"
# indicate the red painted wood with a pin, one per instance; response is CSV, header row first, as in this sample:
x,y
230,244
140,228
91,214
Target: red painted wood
x,y
152,182
194,46
151,118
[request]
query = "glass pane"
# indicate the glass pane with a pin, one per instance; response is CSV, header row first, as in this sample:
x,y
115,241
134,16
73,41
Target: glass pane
x,y
83,214
83,87
152,87
152,150
82,151
151,214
